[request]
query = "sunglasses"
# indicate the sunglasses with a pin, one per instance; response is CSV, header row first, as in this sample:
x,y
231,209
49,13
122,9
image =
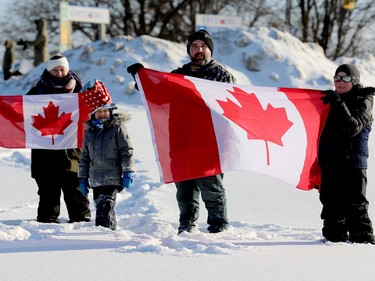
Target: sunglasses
x,y
345,78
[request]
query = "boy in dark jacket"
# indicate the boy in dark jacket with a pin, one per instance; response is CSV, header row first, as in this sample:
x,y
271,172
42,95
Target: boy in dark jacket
x,y
343,153
106,163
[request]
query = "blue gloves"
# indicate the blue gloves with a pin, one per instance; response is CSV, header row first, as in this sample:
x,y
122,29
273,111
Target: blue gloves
x,y
84,186
127,179
330,96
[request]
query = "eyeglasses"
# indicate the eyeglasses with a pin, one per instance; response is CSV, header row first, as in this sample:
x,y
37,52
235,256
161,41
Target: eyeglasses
x,y
345,78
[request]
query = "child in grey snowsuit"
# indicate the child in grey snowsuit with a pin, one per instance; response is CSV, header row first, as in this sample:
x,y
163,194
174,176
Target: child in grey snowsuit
x,y
106,162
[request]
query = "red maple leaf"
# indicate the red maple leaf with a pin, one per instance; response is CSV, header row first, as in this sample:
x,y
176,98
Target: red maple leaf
x,y
269,125
52,124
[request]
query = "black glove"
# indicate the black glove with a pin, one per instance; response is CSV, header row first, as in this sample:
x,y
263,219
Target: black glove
x,y
330,97
22,43
133,69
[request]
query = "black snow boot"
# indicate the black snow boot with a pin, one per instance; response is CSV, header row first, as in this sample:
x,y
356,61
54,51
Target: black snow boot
x,y
335,231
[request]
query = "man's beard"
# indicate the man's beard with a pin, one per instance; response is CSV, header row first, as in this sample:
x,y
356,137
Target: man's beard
x,y
199,59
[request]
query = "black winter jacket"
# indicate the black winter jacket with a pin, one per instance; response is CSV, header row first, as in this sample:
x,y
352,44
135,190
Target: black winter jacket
x,y
211,71
346,133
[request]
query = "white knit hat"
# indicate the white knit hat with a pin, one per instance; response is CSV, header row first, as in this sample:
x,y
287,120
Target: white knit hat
x,y
57,60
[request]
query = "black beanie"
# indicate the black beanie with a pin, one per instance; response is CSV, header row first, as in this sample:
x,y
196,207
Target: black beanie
x,y
201,35
350,70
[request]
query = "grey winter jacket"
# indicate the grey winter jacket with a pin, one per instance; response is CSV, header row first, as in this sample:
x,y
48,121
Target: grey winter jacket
x,y
106,153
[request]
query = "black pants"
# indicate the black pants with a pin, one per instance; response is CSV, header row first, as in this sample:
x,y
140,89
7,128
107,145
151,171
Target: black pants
x,y
213,195
105,201
343,195
49,191
7,74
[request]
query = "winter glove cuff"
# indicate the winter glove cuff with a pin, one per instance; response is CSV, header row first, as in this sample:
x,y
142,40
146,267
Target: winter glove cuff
x,y
127,179
330,97
133,69
84,186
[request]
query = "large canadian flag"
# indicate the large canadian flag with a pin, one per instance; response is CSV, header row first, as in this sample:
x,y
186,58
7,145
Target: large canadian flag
x,y
53,121
201,128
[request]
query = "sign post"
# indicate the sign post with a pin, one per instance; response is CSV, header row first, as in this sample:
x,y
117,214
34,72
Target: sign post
x,y
65,28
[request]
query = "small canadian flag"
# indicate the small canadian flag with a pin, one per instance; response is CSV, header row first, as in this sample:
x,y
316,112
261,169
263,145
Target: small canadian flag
x,y
202,128
42,121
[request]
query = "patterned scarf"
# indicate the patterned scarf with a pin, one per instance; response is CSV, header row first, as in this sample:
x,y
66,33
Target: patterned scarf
x,y
58,84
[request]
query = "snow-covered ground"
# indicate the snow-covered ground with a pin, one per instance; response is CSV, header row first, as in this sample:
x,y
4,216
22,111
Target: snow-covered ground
x,y
275,229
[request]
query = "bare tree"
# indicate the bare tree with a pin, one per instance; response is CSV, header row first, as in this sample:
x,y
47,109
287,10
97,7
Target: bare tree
x,y
256,12
352,27
340,32
306,6
325,23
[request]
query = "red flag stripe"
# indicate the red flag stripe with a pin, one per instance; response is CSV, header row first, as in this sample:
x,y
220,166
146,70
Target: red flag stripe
x,y
84,112
185,136
12,132
309,101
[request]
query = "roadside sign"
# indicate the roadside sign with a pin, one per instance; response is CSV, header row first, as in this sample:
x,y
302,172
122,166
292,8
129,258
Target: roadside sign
x,y
88,14
204,21
69,13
